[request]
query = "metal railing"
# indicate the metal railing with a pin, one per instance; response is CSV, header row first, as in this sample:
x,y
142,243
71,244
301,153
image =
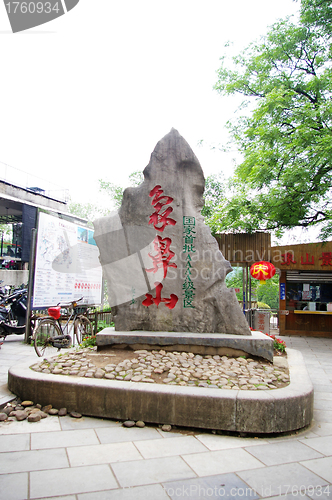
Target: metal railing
x,y
32,183
94,316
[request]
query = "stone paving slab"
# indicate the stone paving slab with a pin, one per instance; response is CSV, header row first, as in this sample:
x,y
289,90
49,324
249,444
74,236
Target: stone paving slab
x,y
60,439
71,480
169,447
281,479
216,442
99,482
102,453
211,487
155,470
320,444
122,434
16,442
222,461
45,425
25,461
67,423
20,491
321,466
283,453
149,492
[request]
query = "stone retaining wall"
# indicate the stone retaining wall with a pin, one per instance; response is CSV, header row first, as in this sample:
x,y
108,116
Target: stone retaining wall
x,y
258,412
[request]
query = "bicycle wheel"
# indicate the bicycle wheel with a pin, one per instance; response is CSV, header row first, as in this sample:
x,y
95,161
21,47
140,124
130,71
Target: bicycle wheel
x,y
82,328
46,329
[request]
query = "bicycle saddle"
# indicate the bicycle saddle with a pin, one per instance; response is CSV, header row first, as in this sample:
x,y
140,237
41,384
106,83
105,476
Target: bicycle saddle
x,y
54,312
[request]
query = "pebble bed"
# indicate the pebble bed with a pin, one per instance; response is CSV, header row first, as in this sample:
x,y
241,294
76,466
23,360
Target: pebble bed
x,y
174,368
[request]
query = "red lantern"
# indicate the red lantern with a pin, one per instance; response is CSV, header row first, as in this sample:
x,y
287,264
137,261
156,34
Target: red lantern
x,y
262,271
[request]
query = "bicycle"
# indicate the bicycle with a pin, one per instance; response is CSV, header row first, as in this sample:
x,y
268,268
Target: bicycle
x,y
50,333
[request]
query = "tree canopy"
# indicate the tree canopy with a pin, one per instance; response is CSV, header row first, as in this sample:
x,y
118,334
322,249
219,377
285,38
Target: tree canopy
x,y
317,13
285,134
214,194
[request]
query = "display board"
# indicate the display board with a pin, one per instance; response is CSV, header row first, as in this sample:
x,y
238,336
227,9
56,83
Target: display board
x,y
67,266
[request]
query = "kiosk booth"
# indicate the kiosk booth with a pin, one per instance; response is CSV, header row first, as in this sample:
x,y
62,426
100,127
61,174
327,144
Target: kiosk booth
x,y
305,288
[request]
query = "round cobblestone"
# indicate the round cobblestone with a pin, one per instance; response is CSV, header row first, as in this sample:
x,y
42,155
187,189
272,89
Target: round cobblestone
x,y
173,368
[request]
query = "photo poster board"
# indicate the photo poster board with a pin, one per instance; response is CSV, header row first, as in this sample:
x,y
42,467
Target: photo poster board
x,y
67,264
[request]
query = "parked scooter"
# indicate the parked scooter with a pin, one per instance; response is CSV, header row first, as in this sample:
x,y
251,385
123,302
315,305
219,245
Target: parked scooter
x,y
13,311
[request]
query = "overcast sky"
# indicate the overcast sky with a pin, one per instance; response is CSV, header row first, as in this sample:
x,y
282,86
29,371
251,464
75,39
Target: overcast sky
x,y
88,95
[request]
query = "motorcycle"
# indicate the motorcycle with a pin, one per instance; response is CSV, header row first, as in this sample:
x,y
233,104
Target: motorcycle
x,y
13,311
4,290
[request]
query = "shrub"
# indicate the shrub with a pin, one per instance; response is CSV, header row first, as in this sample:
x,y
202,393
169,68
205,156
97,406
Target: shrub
x,y
88,341
262,305
279,345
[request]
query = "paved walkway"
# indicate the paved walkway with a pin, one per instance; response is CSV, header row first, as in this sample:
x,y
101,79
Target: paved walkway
x,y
95,459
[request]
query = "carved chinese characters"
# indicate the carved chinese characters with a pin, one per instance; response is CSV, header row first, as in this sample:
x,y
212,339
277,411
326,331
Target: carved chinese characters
x,y
160,218
170,303
162,255
188,249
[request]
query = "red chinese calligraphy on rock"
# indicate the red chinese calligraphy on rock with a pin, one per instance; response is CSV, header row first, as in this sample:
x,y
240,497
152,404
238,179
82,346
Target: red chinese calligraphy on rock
x,y
150,300
162,256
160,218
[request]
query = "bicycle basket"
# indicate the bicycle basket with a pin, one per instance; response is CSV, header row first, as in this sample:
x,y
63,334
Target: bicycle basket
x,y
81,309
54,312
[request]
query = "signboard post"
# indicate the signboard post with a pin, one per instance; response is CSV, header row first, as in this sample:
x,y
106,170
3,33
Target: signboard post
x,y
262,320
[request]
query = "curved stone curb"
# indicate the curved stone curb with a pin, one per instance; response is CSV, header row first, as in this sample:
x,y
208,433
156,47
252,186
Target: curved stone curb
x,y
259,412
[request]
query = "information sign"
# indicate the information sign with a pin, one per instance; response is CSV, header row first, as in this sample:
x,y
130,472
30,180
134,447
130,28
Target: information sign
x,y
282,291
67,264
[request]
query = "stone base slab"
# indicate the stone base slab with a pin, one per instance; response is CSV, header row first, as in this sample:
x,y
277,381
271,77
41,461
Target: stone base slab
x,y
257,344
258,412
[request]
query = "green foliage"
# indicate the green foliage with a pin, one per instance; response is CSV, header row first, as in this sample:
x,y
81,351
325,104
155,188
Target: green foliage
x,y
136,178
87,211
88,341
235,280
278,345
262,305
269,292
91,212
103,324
214,196
317,14
114,192
285,179
7,230
266,294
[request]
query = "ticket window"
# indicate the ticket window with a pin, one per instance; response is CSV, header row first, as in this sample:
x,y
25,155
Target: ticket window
x,y
309,296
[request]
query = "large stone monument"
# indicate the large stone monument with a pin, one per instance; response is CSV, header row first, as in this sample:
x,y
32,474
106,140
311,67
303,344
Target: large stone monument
x,y
163,267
